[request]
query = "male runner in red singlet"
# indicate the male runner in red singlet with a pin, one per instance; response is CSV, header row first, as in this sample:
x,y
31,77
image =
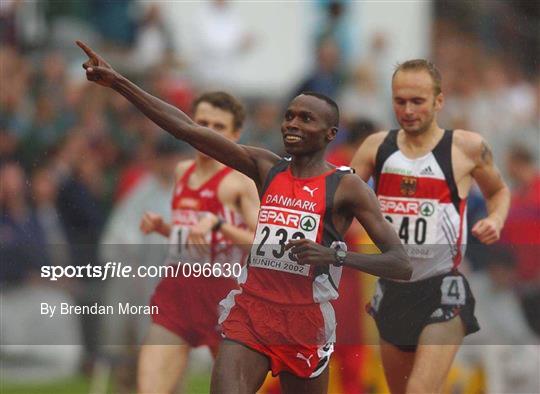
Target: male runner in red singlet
x,y
281,318
212,205
423,175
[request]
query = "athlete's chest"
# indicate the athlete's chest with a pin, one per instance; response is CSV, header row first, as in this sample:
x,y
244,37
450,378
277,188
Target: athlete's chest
x,y
421,177
206,195
290,209
288,193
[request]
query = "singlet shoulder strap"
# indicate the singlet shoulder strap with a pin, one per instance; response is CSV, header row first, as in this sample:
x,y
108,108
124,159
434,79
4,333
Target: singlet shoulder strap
x,y
387,147
279,167
185,176
218,177
443,154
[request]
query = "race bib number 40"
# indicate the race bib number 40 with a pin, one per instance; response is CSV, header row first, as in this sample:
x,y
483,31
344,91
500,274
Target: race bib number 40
x,y
415,222
275,228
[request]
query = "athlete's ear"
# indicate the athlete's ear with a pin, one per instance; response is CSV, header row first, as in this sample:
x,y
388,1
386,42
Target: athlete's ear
x,y
439,102
331,134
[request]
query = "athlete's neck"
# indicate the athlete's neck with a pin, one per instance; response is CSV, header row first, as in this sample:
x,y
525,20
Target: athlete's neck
x,y
307,166
207,165
421,141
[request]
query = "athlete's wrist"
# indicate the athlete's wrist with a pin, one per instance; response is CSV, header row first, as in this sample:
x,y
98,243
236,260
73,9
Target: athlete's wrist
x,y
339,257
499,222
218,224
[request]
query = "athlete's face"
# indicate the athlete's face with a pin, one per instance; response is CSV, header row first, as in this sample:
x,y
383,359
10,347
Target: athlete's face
x,y
414,100
305,127
216,119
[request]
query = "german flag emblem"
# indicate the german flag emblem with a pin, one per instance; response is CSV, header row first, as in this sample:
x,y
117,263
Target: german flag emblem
x,y
408,186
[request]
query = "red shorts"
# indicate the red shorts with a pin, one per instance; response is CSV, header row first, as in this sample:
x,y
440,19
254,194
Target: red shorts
x,y
188,307
297,339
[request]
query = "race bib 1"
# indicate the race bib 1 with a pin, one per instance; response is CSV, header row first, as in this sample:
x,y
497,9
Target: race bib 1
x,y
180,250
415,221
276,226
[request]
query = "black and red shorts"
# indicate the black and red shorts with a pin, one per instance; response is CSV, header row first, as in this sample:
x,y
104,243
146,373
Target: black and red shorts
x,y
402,309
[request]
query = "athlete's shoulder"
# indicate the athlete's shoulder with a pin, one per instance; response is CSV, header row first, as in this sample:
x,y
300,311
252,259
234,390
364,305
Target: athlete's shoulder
x,y
353,193
363,160
182,167
376,139
469,142
351,185
237,179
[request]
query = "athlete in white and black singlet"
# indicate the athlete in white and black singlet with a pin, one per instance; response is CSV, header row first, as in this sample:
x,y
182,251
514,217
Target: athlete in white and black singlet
x,y
423,175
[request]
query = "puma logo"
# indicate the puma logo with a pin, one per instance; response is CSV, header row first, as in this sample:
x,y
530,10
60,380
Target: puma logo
x,y
302,357
310,191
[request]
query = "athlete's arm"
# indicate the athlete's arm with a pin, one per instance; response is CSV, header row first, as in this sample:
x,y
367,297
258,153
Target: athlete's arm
x,y
245,199
495,191
393,262
354,198
254,162
248,205
152,222
363,161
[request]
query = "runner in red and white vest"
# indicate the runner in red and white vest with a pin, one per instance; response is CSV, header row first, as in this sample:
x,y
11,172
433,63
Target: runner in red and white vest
x,y
294,208
214,212
423,175
289,338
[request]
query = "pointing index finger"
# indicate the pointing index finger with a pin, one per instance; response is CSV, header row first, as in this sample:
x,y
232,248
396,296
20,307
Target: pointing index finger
x,y
89,52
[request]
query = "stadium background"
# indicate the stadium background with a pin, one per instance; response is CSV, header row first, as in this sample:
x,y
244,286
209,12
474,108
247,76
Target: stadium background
x,y
79,165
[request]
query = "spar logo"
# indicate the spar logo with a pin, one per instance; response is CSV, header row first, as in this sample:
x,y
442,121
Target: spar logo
x,y
308,223
279,218
401,207
427,209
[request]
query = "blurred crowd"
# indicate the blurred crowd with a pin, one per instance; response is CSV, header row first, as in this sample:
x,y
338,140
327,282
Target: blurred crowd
x,y
78,163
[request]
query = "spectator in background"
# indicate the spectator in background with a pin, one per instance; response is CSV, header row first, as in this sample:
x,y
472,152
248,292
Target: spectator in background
x,y
22,238
522,229
9,142
8,25
114,21
334,25
80,175
153,42
15,101
123,241
44,195
48,126
23,250
361,97
328,76
221,36
262,129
